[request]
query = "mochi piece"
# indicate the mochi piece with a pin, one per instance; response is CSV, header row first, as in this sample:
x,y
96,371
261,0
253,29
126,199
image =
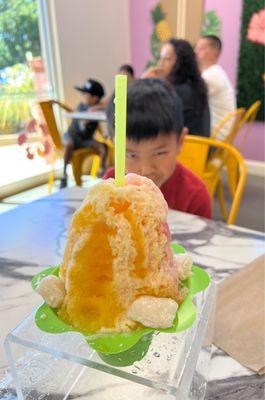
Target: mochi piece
x,y
184,264
52,290
153,312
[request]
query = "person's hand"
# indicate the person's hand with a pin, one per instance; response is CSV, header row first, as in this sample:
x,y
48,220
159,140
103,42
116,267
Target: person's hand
x,y
153,72
98,107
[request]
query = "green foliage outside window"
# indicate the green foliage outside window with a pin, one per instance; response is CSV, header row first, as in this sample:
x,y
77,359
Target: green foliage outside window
x,y
16,98
19,31
19,39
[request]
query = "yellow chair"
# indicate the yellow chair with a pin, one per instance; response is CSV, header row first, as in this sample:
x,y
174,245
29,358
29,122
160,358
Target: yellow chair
x,y
48,125
233,118
194,156
249,117
245,123
99,137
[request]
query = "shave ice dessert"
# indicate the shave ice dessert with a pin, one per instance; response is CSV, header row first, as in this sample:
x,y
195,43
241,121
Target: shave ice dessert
x,y
118,272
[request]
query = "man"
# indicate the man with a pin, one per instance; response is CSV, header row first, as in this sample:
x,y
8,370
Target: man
x,y
220,91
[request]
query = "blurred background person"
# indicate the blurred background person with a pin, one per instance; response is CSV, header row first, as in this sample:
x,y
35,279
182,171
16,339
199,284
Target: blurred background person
x,y
178,66
125,69
128,70
80,133
220,91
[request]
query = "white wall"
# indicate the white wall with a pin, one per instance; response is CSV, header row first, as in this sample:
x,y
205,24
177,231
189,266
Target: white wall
x,y
93,40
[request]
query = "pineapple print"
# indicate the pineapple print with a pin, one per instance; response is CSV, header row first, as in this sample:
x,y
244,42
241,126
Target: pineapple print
x,y
162,31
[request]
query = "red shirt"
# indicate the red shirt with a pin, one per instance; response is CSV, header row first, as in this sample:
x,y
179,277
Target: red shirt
x,y
183,191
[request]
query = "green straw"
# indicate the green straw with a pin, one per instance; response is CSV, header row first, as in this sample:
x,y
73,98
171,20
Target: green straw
x,y
120,128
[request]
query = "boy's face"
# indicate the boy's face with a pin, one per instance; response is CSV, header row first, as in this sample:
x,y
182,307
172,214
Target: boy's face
x,y
154,158
89,99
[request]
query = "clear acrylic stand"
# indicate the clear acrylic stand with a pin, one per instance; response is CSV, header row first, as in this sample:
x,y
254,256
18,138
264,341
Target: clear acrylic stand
x,y
62,366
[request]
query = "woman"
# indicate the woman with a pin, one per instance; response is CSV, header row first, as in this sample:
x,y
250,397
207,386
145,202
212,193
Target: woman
x,y
178,65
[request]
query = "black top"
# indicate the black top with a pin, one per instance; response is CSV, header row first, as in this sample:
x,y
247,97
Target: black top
x,y
84,129
198,123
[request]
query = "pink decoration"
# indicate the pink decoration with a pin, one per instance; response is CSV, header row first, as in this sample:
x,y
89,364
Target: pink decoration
x,y
40,151
31,126
256,28
29,153
39,74
47,148
22,138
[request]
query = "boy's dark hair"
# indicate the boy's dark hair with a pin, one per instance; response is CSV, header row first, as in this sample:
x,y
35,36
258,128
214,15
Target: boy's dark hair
x,y
152,108
128,68
215,42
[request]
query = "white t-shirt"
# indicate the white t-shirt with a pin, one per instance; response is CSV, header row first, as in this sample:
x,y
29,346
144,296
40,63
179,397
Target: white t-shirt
x,y
221,97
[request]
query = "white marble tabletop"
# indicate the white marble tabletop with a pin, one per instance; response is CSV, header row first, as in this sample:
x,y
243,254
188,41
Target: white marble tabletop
x,y
33,237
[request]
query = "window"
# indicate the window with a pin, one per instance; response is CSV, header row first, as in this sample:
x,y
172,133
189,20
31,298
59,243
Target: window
x,y
25,78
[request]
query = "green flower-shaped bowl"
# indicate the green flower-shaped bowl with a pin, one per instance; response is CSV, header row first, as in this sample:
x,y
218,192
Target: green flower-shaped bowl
x,y
123,349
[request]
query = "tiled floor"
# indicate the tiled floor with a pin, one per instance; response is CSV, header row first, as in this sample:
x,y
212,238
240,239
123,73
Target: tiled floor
x,y
251,210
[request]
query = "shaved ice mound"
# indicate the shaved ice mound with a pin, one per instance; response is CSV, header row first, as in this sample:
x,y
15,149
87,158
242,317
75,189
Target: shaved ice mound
x,y
118,249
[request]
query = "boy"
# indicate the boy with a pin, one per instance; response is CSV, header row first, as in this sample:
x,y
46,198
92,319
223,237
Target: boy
x,y
155,135
80,133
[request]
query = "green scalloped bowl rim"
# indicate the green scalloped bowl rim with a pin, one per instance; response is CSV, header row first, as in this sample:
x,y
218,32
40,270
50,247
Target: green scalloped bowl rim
x,y
47,320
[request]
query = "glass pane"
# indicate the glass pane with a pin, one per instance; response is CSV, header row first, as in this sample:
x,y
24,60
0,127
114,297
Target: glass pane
x,y
23,79
23,82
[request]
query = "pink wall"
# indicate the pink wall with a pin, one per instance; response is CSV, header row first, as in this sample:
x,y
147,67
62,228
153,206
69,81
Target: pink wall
x,y
141,29
230,17
254,147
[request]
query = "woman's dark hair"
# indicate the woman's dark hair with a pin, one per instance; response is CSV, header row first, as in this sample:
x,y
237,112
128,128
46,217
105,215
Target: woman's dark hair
x,y
186,70
152,108
128,68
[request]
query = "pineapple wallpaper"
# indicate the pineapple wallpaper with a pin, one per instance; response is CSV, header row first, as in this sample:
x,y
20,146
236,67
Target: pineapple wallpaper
x,y
160,34
211,24
161,31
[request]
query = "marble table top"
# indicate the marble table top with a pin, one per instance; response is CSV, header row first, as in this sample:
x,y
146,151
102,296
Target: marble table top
x,y
33,236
